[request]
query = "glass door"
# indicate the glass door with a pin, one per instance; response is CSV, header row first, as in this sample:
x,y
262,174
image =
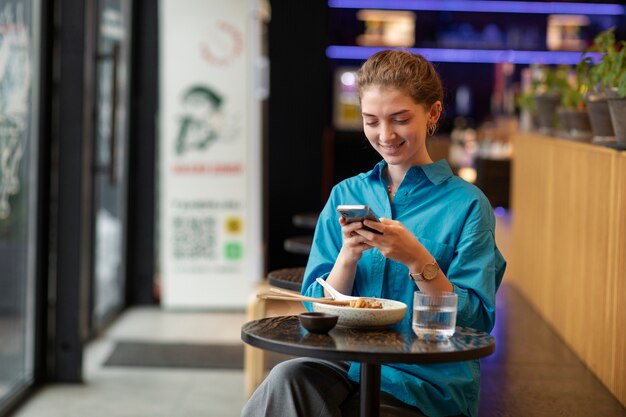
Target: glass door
x,y
111,159
19,101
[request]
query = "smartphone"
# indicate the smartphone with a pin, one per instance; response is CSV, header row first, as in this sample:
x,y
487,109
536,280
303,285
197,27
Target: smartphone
x,y
358,213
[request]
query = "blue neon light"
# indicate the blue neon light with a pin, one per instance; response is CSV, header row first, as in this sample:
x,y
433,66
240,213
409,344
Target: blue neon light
x,y
483,6
478,56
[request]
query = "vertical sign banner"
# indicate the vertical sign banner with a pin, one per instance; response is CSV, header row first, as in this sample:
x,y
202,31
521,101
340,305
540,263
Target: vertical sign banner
x,y
210,218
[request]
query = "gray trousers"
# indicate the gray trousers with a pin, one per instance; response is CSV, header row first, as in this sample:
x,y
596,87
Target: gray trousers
x,y
306,387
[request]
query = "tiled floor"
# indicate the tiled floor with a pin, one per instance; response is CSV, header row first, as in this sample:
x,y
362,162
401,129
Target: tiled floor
x,y
150,392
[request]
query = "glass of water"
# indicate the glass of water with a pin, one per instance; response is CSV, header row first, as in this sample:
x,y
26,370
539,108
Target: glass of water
x,y
434,315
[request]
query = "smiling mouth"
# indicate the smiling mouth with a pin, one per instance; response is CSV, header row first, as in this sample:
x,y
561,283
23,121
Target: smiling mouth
x,y
391,148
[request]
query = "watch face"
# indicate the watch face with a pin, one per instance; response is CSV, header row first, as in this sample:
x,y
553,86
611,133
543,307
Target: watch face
x,y
430,271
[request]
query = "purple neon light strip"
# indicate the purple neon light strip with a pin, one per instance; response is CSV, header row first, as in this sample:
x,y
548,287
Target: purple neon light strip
x,y
482,6
479,56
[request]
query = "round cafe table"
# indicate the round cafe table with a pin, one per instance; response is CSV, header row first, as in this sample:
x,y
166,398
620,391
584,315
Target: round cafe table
x,y
287,278
371,348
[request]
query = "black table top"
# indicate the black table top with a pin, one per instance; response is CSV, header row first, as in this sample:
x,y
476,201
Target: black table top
x,y
396,343
287,278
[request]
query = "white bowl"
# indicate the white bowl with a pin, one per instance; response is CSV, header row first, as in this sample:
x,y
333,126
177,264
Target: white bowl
x,y
391,313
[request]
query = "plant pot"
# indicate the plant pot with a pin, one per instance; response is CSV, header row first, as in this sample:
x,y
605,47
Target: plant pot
x,y
574,124
600,118
579,125
547,120
564,122
617,107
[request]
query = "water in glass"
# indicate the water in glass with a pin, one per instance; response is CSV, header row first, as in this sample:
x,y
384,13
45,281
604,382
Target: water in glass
x,y
434,320
434,314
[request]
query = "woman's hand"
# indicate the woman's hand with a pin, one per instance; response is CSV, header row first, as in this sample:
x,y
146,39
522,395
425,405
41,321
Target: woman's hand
x,y
396,242
353,243
342,275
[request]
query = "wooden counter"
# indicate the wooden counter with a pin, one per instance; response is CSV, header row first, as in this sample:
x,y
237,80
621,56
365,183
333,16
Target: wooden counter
x,y
569,246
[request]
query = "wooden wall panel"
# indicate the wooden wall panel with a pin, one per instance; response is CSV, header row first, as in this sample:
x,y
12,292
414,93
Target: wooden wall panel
x,y
568,246
619,293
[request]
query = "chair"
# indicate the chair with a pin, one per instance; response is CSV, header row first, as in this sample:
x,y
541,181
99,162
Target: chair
x,y
255,360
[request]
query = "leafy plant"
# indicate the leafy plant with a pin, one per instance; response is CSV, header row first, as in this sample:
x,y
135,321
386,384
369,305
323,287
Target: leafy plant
x,y
553,80
573,94
550,80
610,71
573,97
526,101
616,73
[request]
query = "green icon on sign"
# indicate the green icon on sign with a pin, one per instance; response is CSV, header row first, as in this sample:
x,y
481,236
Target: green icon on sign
x,y
233,251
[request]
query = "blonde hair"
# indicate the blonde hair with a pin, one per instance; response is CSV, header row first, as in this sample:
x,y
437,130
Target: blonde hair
x,y
401,70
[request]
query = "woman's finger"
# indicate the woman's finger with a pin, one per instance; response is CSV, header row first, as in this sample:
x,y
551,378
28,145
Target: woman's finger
x,y
390,223
375,225
366,235
352,226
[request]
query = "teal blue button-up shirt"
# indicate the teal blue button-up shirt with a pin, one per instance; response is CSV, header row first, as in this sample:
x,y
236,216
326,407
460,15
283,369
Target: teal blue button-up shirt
x,y
455,222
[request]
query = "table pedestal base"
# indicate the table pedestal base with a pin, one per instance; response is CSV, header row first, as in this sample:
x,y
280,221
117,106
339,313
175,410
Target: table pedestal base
x,y
369,402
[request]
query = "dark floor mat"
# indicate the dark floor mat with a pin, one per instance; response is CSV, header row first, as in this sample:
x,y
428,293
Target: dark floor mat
x,y
182,355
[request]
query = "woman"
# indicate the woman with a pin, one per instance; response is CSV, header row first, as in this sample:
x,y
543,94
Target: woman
x,y
434,226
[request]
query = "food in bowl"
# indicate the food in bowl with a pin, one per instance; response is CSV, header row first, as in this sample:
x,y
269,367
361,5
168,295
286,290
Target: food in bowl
x,y
392,312
365,303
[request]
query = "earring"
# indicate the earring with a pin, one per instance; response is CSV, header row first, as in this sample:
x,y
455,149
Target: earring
x,y
431,129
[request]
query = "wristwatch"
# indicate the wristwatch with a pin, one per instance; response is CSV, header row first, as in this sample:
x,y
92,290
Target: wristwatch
x,y
429,272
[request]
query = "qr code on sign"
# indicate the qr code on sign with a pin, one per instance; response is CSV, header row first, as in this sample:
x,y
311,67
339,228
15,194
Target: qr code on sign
x,y
194,237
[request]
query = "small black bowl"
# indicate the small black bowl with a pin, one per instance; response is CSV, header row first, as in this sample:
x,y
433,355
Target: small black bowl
x,y
317,322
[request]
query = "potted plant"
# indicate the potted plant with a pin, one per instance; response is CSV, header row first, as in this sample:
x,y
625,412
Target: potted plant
x,y
573,114
590,77
545,95
525,103
614,81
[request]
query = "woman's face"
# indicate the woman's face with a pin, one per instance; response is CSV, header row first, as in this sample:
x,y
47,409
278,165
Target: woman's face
x,y
396,126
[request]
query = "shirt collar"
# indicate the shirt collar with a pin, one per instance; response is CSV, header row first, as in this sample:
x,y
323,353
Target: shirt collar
x,y
437,172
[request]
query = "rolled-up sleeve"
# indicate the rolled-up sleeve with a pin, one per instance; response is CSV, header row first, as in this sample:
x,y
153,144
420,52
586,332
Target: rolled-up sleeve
x,y
476,272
